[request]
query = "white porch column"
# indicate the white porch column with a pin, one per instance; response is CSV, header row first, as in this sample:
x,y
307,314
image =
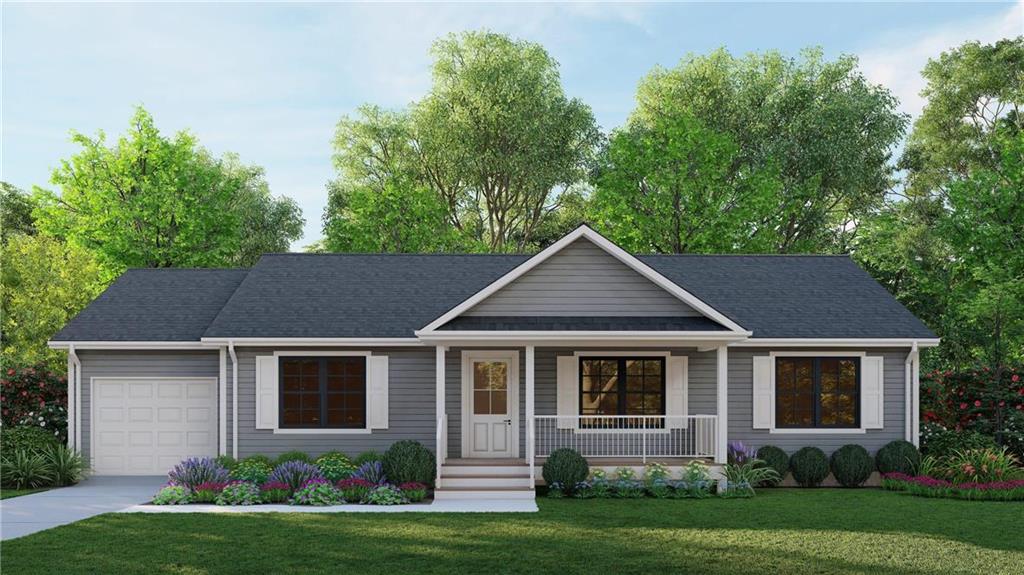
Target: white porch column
x,y
71,398
915,373
440,449
723,404
222,400
530,409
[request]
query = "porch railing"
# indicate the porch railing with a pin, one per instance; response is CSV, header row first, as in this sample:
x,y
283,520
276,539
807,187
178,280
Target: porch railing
x,y
626,436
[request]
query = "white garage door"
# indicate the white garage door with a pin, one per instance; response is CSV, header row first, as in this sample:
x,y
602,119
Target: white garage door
x,y
145,426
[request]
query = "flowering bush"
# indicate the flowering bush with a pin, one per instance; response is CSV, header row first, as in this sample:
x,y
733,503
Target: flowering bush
x,y
275,492
694,482
742,477
195,471
317,491
255,469
628,489
372,471
654,471
335,465
739,453
938,441
980,466
171,495
414,492
295,474
207,492
34,439
625,474
34,396
924,486
385,495
985,400
239,493
354,489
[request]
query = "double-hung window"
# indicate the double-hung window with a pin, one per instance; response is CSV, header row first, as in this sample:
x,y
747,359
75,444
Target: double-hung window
x,y
322,392
817,392
622,386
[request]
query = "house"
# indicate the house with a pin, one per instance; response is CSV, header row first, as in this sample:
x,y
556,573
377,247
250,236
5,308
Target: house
x,y
492,360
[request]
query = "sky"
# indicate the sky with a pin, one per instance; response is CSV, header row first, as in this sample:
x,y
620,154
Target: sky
x,y
269,81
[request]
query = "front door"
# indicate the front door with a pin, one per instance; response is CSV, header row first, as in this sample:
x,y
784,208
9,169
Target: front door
x,y
490,386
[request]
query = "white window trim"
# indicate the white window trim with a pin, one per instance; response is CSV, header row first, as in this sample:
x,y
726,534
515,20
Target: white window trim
x,y
278,430
465,385
811,430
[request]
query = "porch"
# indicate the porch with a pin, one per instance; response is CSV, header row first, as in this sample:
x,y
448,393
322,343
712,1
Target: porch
x,y
505,409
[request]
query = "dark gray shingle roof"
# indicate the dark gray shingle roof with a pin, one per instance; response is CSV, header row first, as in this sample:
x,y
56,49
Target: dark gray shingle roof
x,y
155,305
392,295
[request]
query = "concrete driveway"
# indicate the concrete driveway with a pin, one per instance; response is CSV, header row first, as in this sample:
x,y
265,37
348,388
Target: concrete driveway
x,y
38,511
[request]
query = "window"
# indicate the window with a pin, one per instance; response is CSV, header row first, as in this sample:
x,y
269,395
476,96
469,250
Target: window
x,y
817,392
622,386
323,392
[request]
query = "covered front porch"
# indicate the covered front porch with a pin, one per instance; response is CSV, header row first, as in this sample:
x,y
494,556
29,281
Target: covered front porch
x,y
503,407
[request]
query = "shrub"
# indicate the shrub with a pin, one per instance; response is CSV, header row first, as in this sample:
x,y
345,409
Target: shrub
x,y
940,442
294,474
898,457
208,492
275,492
227,462
293,456
654,471
335,465
35,396
317,492
931,487
659,488
809,466
25,469
556,491
385,495
354,489
414,492
66,465
195,471
625,474
775,458
598,484
980,466
408,461
566,467
851,465
27,438
742,477
695,481
366,457
628,489
738,453
371,471
239,493
171,495
255,469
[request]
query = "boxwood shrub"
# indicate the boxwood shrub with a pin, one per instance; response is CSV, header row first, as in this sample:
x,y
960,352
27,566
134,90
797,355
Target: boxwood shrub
x,y
27,438
809,466
293,456
407,461
566,467
851,465
775,458
366,457
898,457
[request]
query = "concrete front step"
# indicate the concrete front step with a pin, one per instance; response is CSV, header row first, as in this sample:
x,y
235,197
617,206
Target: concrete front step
x,y
449,493
484,470
469,481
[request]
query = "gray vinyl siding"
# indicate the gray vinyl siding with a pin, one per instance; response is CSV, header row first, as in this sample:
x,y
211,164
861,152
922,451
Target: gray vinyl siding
x,y
741,407
138,364
411,401
582,280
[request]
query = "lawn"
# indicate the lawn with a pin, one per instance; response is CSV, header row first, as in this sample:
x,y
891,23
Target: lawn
x,y
8,493
785,531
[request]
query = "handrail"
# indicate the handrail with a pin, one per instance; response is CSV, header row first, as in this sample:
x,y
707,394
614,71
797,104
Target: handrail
x,y
624,436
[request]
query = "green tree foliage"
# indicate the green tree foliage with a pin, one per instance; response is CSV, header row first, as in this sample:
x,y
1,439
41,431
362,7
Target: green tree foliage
x,y
15,212
45,283
819,126
153,201
951,246
671,185
490,147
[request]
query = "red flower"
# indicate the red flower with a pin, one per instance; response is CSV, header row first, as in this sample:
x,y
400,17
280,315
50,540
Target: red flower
x,y
10,372
977,403
963,406
1015,378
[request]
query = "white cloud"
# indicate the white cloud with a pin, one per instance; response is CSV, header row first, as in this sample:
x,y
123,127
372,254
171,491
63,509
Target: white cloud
x,y
896,60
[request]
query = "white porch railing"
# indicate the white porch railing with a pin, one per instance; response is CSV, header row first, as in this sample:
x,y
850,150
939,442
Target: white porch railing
x,y
441,451
626,436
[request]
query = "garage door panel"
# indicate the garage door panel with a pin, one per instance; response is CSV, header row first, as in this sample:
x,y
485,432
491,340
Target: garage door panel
x,y
146,426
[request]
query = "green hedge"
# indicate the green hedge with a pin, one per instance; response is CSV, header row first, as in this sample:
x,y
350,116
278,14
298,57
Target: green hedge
x,y
898,457
775,458
809,466
851,465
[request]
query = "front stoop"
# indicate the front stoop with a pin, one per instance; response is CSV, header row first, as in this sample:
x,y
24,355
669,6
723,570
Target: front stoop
x,y
468,479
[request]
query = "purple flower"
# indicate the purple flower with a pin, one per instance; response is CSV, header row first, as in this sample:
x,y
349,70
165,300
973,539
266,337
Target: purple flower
x,y
739,453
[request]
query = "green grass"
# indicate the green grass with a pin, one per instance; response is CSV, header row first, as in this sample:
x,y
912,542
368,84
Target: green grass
x,y
780,531
8,493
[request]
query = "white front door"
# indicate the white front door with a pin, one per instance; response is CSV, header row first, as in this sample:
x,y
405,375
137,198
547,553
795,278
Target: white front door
x,y
490,386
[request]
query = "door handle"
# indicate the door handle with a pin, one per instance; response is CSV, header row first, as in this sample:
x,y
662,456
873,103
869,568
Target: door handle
x,y
508,422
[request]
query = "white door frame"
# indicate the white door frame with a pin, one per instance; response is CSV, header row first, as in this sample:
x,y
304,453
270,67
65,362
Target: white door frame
x,y
512,357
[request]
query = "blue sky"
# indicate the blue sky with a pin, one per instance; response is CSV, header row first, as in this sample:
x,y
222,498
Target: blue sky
x,y
270,81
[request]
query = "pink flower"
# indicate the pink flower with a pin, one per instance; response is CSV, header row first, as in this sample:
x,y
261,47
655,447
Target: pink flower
x,y
977,403
1015,378
963,406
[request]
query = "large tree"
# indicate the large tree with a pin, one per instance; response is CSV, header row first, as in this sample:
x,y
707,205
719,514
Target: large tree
x,y
153,201
819,125
493,143
15,212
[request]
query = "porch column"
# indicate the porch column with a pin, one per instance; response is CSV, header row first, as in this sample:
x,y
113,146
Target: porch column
x,y
440,449
529,409
723,404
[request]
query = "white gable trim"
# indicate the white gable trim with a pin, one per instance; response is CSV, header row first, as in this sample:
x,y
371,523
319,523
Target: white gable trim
x,y
611,249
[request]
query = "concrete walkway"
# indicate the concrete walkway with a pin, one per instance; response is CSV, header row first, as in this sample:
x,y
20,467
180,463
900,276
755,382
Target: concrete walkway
x,y
31,513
